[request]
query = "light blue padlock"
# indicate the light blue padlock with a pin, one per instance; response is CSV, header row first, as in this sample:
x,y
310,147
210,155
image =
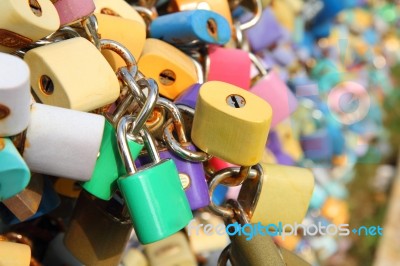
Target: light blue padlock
x,y
186,27
14,173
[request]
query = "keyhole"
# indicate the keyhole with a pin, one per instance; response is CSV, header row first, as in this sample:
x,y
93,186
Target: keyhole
x,y
46,85
167,77
236,101
35,7
4,111
212,28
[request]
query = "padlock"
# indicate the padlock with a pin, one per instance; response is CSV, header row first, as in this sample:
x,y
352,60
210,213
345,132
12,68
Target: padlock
x,y
327,10
289,140
133,257
26,203
274,145
71,11
269,28
15,174
189,96
130,33
48,203
219,6
98,230
317,146
185,27
15,97
231,108
290,188
173,70
109,166
171,251
14,253
45,153
273,90
60,84
67,187
167,210
57,254
26,22
228,65
118,8
284,14
336,210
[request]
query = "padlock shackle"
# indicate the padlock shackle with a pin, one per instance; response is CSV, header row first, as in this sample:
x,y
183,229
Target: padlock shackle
x,y
257,16
129,79
150,145
122,142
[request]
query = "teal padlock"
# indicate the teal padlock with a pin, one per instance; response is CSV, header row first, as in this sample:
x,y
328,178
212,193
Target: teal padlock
x,y
109,166
153,193
14,173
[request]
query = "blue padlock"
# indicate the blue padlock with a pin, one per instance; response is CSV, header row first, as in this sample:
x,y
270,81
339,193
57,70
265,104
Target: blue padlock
x,y
14,173
185,27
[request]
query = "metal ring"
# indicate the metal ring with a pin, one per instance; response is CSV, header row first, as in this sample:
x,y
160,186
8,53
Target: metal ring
x,y
90,25
129,79
257,16
224,257
123,52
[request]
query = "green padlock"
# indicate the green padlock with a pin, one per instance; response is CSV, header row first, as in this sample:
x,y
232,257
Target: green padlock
x,y
153,194
109,166
14,173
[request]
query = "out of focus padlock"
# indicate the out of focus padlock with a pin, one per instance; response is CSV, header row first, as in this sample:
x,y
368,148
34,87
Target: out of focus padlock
x,y
61,84
231,108
40,146
71,11
167,210
26,22
67,187
26,203
134,257
289,140
15,95
98,231
14,173
130,33
14,253
173,70
171,251
274,145
186,27
57,254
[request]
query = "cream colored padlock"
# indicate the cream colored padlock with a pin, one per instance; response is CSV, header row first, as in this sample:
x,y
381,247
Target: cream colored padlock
x,y
130,33
231,123
24,22
173,70
118,8
62,142
15,97
171,251
72,74
133,257
14,254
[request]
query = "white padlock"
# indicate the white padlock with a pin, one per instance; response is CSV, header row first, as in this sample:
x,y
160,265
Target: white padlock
x,y
62,142
15,95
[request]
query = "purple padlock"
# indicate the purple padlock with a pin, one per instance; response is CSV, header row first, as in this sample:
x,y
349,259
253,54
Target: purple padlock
x,y
189,96
268,28
317,146
274,145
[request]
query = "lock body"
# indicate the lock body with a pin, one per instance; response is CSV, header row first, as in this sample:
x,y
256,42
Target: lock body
x,y
273,90
229,65
61,84
230,108
14,253
288,187
109,166
184,27
317,145
67,187
118,8
15,97
189,96
26,22
45,153
166,211
173,70
14,173
130,33
98,231
70,11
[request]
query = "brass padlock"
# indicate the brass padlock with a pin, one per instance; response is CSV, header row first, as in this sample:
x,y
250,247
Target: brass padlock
x,y
26,203
62,85
24,22
173,70
221,110
98,231
128,32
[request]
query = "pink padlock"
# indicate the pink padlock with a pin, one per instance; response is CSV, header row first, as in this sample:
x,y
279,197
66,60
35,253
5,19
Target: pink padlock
x,y
228,65
272,89
73,10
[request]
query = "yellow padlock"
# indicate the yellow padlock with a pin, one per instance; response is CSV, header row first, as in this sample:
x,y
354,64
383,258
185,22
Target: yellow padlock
x,y
130,33
281,195
72,74
284,14
24,22
173,70
118,8
289,141
231,123
14,254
